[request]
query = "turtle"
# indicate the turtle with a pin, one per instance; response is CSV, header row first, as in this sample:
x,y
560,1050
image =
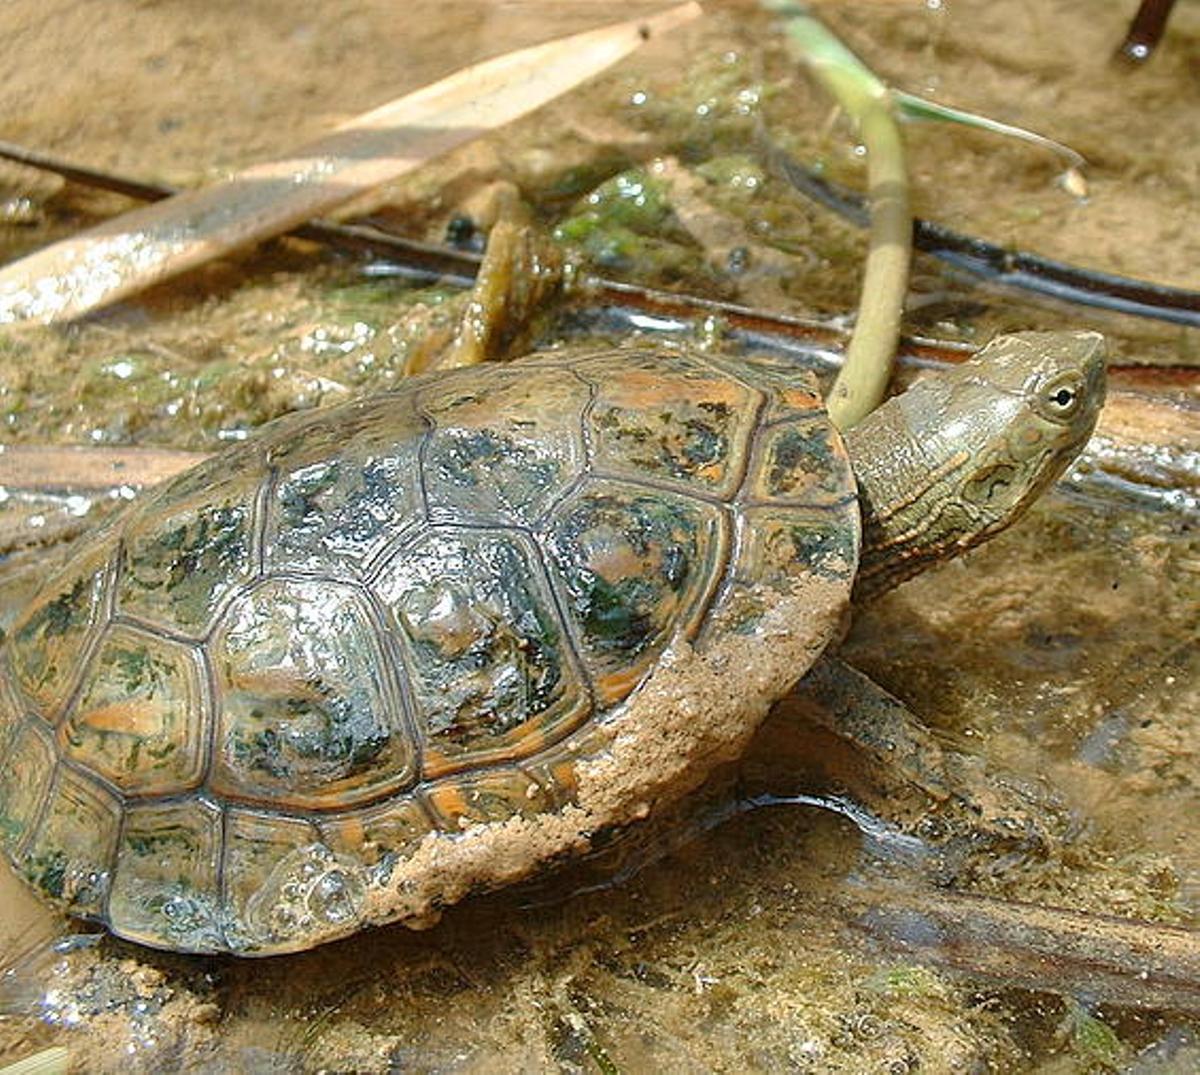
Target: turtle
x,y
392,652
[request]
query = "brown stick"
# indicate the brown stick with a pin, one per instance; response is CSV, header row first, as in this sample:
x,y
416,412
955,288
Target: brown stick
x,y
1116,960
67,468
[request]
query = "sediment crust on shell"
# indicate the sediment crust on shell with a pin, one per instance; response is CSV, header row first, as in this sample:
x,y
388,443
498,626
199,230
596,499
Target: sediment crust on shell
x,y
696,710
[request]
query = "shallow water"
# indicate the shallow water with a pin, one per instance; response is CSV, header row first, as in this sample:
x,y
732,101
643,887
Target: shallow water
x,y
1057,668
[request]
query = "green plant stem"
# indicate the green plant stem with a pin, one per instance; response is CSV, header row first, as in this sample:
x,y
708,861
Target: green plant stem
x,y
868,101
863,380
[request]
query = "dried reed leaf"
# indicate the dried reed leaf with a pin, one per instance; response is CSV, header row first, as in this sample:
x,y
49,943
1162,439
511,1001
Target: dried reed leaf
x,y
145,246
50,1061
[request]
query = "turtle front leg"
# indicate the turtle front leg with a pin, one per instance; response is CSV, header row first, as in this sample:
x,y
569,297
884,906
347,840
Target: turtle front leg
x,y
521,274
840,729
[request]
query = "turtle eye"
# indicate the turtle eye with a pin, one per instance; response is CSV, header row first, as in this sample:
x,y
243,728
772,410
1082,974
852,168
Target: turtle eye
x,y
1064,398
1060,398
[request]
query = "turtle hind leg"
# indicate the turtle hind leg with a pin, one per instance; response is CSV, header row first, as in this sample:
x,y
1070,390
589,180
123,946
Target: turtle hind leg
x,y
845,732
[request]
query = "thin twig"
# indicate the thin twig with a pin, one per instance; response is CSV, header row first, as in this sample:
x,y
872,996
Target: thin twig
x,y
1145,31
1016,269
1009,268
429,262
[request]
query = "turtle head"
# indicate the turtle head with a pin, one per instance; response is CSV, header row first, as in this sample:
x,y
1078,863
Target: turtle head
x,y
960,456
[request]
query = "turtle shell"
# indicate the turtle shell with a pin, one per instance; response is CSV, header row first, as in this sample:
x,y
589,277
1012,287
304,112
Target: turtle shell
x,y
389,652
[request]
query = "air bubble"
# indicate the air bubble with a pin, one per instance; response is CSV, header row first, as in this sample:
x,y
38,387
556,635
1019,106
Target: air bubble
x,y
335,897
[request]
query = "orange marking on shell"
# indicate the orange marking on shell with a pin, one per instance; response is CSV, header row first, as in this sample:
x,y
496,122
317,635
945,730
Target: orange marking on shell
x,y
352,833
616,562
637,388
562,774
798,399
276,683
449,802
617,685
520,743
133,717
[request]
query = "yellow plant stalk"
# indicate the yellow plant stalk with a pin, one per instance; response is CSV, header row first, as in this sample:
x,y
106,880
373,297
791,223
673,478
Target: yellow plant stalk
x,y
868,101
